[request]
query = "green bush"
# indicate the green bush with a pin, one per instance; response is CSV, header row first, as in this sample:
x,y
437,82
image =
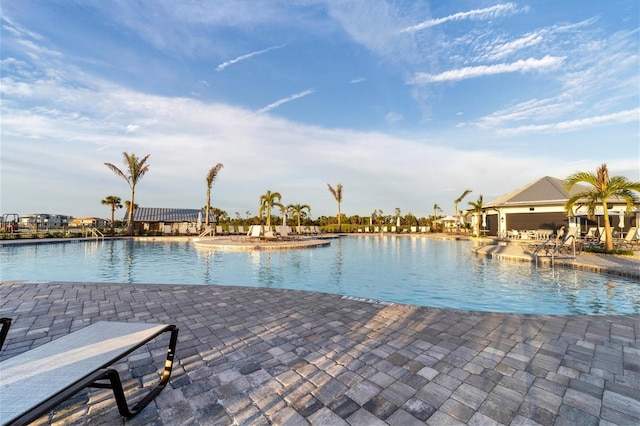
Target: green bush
x,y
605,251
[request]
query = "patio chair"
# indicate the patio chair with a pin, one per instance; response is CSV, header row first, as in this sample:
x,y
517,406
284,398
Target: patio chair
x,y
283,233
36,381
631,241
255,232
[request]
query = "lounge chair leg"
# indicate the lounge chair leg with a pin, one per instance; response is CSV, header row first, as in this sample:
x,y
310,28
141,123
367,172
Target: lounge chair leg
x,y
6,323
116,385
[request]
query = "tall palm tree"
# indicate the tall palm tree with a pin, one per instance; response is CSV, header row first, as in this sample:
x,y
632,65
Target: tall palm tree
x,y
211,177
457,201
604,188
267,202
298,211
135,168
115,203
436,209
337,194
476,209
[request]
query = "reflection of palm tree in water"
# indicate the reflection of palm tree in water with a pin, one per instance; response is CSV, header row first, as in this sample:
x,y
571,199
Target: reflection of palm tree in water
x,y
610,286
337,271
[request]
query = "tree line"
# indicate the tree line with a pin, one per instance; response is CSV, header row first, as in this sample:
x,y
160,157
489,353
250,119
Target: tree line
x,y
601,187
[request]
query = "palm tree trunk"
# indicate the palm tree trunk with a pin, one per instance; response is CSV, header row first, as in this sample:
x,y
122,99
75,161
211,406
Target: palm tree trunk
x,y
206,220
339,219
113,226
131,211
607,229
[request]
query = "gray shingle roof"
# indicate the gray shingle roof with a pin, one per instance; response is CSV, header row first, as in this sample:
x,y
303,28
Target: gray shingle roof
x,y
159,214
546,190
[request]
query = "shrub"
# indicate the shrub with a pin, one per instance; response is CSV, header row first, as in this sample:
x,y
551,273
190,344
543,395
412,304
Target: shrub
x,y
605,251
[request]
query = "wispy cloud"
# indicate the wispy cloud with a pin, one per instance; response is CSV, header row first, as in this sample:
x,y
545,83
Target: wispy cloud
x,y
476,14
506,49
247,56
534,109
285,100
358,80
393,117
627,116
523,65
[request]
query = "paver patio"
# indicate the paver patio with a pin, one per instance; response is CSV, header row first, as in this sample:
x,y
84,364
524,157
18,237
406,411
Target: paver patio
x,y
270,356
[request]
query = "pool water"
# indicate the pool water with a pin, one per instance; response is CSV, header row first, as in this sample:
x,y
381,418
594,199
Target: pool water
x,y
413,270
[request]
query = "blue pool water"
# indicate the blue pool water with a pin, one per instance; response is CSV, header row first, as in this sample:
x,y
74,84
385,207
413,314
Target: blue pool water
x,y
416,271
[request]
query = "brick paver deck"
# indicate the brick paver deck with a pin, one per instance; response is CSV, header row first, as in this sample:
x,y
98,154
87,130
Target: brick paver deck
x,y
271,356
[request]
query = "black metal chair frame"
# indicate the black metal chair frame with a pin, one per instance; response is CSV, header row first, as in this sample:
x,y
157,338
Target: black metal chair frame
x,y
6,324
108,378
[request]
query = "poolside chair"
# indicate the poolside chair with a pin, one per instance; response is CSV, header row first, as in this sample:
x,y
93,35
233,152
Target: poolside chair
x,y
255,232
283,233
36,381
240,230
631,241
232,230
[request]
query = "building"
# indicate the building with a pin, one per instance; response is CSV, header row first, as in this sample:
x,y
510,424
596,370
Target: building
x,y
88,222
540,205
44,220
167,220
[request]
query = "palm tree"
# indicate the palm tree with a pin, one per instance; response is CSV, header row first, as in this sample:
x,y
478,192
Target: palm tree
x,y
268,201
298,211
337,194
457,201
136,168
604,188
211,177
436,209
115,203
476,209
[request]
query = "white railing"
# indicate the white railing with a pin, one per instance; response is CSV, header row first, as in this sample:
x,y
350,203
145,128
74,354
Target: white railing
x,y
96,234
207,232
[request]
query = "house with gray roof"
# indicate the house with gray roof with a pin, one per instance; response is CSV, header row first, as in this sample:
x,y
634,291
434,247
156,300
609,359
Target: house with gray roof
x,y
167,220
540,205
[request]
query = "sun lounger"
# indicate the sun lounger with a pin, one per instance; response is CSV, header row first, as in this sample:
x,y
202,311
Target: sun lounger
x,y
36,381
6,324
630,241
284,233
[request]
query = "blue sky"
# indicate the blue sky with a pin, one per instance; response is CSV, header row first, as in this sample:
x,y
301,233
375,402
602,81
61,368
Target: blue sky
x,y
406,103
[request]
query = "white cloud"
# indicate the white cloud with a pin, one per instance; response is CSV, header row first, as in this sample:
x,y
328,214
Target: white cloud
x,y
507,49
393,117
285,100
358,80
247,56
628,116
476,14
525,65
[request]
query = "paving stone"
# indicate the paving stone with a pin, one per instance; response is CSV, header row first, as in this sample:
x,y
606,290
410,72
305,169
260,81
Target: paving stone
x,y
380,407
457,410
419,409
573,416
344,406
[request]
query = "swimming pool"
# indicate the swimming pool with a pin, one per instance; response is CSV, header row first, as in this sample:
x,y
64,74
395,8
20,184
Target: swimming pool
x,y
418,271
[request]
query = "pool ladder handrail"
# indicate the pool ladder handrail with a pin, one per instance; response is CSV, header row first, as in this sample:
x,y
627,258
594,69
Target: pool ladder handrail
x,y
96,234
209,230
